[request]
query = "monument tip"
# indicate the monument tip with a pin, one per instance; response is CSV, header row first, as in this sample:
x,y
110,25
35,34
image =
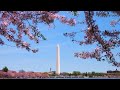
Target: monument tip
x,y
57,45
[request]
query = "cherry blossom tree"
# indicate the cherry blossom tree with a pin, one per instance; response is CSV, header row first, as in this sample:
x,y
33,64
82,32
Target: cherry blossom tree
x,y
25,23
93,34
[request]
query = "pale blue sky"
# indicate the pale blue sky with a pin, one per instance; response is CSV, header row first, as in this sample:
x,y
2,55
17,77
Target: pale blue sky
x,y
17,59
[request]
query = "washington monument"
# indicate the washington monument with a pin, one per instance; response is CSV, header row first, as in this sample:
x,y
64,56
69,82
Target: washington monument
x,y
58,60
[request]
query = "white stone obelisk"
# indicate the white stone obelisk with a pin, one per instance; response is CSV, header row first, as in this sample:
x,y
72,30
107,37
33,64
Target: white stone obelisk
x,y
58,60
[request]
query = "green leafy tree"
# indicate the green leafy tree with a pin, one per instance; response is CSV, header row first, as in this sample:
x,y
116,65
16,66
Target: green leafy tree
x,y
84,74
76,73
5,69
93,73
